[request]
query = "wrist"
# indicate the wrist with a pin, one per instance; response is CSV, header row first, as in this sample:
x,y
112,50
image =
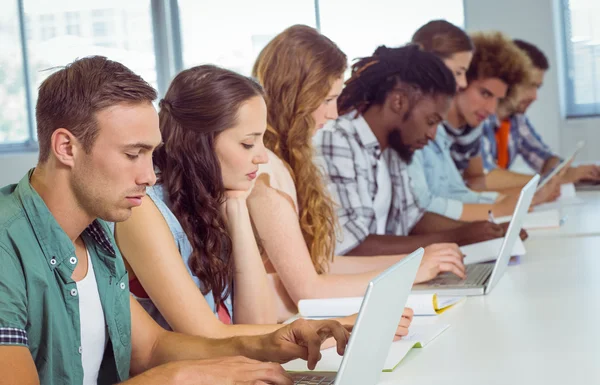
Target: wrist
x,y
254,347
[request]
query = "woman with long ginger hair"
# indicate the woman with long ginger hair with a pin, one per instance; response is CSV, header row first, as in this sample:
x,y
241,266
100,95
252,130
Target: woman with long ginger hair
x,y
190,248
302,74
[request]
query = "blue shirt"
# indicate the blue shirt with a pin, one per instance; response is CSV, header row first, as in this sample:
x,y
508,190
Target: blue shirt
x,y
156,193
523,140
466,144
437,183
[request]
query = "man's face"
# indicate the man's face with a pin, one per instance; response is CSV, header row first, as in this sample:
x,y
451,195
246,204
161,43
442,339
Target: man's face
x,y
528,92
112,178
419,125
480,100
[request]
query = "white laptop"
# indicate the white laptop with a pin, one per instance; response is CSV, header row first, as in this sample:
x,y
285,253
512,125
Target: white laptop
x,y
565,163
482,277
375,327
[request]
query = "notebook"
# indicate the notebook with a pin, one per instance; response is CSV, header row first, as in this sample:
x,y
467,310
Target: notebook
x,y
421,304
537,220
418,337
488,250
373,332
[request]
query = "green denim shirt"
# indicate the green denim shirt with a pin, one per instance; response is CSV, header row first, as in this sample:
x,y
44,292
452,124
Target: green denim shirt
x,y
39,303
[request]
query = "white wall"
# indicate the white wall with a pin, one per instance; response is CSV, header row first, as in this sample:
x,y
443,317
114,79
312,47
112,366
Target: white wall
x,y
532,20
14,166
537,21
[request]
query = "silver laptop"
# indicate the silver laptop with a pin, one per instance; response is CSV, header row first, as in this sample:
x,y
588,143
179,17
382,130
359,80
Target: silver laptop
x,y
375,327
482,277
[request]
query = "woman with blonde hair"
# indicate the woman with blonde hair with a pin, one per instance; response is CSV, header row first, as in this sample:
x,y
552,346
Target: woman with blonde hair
x,y
302,73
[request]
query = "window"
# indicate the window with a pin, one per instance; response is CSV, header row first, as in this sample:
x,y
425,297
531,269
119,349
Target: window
x,y
13,119
582,45
358,31
232,33
59,32
73,23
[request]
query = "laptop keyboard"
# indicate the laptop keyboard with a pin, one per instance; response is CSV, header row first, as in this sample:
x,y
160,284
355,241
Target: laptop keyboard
x,y
303,379
476,276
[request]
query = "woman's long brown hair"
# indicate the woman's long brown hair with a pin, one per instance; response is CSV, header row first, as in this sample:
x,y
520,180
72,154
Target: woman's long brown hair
x,y
200,103
297,69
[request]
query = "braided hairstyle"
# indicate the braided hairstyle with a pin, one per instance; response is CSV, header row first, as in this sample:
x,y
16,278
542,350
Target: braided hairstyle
x,y
417,72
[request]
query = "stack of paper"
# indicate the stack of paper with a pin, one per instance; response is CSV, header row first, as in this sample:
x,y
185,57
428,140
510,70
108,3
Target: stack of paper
x,y
422,304
537,220
489,250
419,336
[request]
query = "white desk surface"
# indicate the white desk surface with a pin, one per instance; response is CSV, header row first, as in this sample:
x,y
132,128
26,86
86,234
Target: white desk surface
x,y
581,219
540,325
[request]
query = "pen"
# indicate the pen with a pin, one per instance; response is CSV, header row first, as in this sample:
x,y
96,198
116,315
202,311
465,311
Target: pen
x,y
491,217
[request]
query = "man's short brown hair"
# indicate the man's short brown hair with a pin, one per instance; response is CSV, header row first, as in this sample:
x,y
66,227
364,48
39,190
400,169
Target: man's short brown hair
x,y
496,56
71,97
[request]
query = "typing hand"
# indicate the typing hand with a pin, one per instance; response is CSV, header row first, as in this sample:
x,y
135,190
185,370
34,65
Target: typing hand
x,y
587,172
302,339
440,258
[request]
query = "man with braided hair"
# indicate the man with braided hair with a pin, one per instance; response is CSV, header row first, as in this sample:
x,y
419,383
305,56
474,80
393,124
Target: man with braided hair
x,y
389,108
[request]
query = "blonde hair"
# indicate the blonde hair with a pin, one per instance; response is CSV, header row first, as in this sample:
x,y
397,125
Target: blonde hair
x,y
297,69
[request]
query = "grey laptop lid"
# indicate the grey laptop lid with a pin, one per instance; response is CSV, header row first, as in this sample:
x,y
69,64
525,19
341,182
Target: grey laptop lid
x,y
513,231
378,318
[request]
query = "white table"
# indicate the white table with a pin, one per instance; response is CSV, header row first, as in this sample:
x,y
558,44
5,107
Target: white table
x,y
540,325
581,219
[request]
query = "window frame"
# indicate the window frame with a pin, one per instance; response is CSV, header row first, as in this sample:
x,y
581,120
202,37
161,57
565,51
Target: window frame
x,y
572,110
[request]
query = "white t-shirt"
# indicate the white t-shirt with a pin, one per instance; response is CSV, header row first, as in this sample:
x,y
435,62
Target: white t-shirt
x,y
383,198
93,326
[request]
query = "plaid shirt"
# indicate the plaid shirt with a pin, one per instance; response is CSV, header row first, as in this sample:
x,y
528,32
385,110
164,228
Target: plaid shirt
x,y
466,144
348,151
523,140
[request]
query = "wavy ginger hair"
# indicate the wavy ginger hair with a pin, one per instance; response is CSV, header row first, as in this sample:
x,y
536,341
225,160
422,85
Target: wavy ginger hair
x,y
297,70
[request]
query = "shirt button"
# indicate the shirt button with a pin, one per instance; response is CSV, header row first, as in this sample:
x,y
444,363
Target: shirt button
x,y
73,260
53,261
73,292
80,350
122,285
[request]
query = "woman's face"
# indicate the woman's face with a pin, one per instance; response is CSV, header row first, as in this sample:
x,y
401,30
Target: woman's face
x,y
459,64
240,148
328,108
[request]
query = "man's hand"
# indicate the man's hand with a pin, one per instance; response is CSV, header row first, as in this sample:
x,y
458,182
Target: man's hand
x,y
522,234
439,258
222,371
302,339
588,172
478,232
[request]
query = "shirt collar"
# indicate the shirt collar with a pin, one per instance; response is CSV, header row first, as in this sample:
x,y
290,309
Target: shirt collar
x,y
457,131
55,243
366,136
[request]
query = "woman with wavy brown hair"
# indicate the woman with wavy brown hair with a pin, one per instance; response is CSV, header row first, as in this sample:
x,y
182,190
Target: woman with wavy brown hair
x,y
190,247
302,73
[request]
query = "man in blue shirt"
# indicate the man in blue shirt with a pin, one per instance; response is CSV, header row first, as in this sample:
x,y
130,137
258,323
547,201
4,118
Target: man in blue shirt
x,y
509,134
497,65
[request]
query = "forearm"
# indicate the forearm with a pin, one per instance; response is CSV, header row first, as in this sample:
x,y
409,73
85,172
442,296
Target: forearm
x,y
549,165
171,346
157,376
435,223
361,264
392,244
475,212
253,298
499,179
476,183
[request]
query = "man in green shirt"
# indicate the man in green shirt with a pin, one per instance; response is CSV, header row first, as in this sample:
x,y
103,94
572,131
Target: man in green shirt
x,y
97,129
